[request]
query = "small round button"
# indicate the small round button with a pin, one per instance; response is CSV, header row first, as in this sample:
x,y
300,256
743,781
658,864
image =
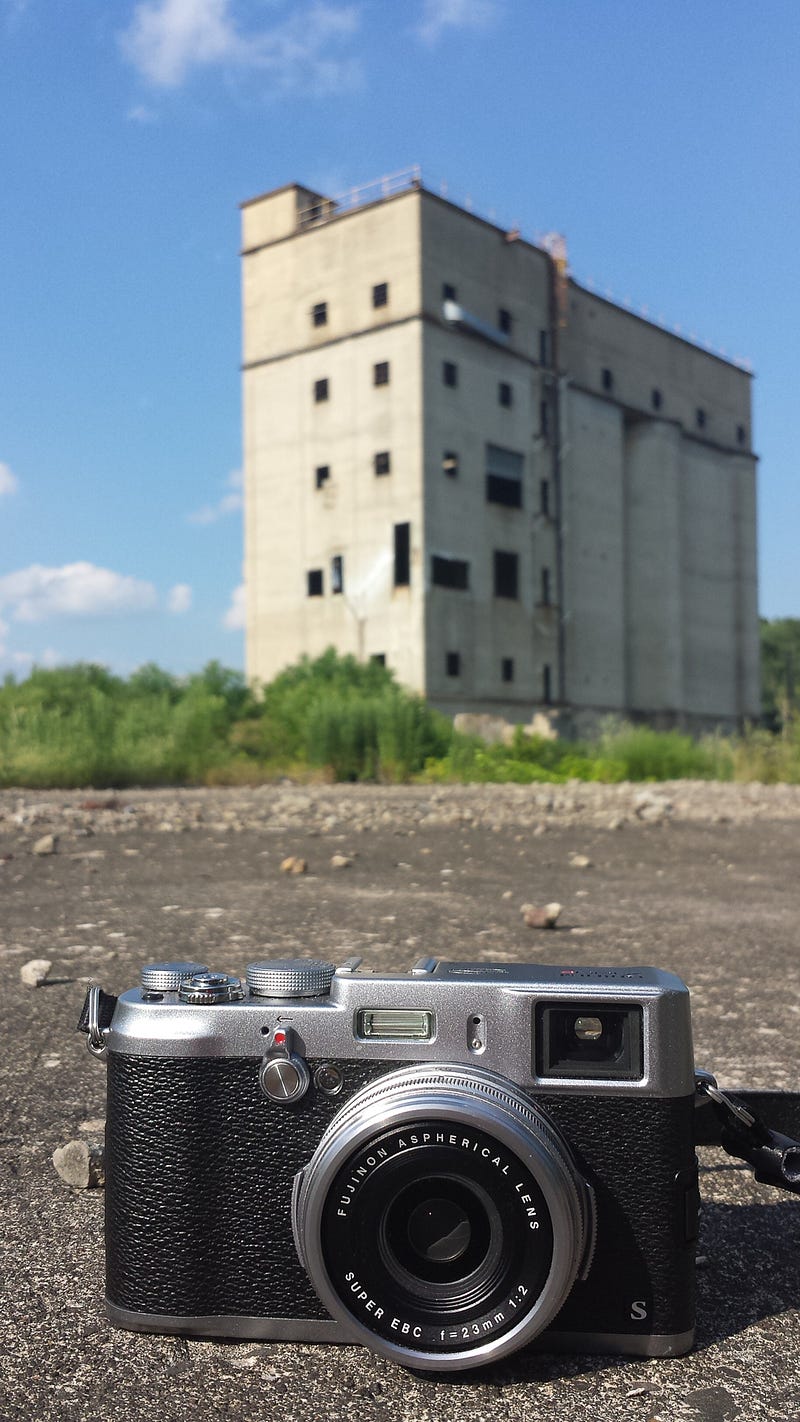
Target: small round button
x,y
328,1079
284,1079
206,989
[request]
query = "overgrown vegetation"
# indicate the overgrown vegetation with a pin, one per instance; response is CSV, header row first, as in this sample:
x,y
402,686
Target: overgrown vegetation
x,y
338,719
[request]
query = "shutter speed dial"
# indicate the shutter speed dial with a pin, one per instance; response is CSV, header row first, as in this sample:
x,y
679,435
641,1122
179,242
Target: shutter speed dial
x,y
290,977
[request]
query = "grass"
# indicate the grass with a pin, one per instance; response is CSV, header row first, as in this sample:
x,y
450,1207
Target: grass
x,y
332,719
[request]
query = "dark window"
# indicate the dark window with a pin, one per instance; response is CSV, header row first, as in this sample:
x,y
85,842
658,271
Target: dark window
x,y
449,292
544,419
337,574
320,390
504,320
402,555
546,587
449,572
383,462
608,379
543,348
380,373
505,394
450,373
544,497
452,663
547,689
741,434
379,657
507,668
380,294
700,416
322,474
506,574
655,399
314,577
319,313
500,490
450,463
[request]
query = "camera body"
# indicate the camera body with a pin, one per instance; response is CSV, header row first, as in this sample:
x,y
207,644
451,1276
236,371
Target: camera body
x,y
446,1165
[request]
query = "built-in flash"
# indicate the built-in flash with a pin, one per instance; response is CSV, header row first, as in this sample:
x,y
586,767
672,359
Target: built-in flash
x,y
389,1024
588,1029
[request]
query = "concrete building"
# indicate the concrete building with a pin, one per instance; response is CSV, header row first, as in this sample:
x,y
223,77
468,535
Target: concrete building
x,y
457,459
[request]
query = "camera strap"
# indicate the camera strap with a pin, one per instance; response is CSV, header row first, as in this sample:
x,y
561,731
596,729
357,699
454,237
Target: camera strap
x,y
734,1123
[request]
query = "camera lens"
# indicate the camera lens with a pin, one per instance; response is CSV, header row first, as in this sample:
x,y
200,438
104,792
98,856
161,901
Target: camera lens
x,y
439,1231
441,1218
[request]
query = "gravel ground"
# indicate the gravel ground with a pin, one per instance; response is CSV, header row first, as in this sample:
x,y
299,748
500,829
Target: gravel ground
x,y
701,879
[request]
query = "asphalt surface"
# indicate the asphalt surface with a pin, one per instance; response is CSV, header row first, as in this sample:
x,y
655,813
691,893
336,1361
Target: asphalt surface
x,y
718,903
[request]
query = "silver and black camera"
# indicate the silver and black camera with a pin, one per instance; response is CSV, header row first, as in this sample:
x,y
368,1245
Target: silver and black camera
x,y
445,1165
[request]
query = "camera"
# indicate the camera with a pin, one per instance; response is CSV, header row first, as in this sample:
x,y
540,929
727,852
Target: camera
x,y
446,1165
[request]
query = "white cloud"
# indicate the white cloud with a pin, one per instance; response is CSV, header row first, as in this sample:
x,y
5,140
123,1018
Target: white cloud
x,y
236,615
75,590
179,598
440,15
168,39
9,482
229,503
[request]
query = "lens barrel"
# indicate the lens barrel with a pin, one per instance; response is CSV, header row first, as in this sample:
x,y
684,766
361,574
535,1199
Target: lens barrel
x,y
442,1219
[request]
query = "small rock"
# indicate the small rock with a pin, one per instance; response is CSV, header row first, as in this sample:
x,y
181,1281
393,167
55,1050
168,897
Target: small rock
x,y
80,1165
34,973
652,807
48,844
546,917
539,830
617,823
292,864
580,861
507,894
341,861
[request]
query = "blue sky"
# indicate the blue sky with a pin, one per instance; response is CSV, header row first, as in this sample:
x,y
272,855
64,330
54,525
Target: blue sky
x,y
660,137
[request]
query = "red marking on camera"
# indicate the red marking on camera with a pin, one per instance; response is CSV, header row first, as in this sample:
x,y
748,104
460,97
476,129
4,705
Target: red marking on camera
x,y
279,1038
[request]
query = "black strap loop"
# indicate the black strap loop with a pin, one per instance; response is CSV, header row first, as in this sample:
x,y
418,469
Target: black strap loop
x,y
774,1157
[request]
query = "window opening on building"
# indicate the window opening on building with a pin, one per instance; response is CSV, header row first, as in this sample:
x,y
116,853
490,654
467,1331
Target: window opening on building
x,y
321,390
500,490
449,572
700,416
545,587
505,394
506,574
450,463
547,688
741,434
402,555
337,573
379,657
449,292
380,294
504,471
507,668
544,348
607,379
544,497
655,399
452,663
380,373
322,474
504,320
319,313
314,582
544,419
450,373
383,462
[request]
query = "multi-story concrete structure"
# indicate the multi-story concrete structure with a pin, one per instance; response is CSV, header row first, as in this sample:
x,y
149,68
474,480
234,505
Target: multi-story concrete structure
x,y
461,461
